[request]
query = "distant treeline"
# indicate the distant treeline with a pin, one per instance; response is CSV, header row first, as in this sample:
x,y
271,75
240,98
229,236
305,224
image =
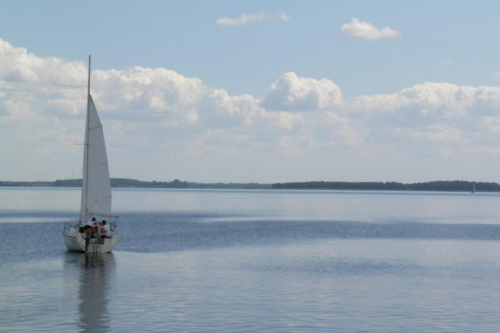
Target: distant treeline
x,y
453,186
27,184
132,183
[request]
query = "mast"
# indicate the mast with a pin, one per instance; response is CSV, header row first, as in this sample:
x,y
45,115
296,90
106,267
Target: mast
x,y
88,87
96,189
86,150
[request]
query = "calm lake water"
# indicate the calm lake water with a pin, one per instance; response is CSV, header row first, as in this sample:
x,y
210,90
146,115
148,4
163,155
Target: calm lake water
x,y
255,261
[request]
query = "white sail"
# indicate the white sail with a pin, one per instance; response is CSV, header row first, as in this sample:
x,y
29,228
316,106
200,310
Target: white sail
x,y
96,187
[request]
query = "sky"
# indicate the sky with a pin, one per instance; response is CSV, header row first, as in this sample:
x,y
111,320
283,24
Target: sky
x,y
253,91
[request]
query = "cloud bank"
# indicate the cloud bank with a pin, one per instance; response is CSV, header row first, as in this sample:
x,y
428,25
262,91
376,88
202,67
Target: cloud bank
x,y
364,30
177,125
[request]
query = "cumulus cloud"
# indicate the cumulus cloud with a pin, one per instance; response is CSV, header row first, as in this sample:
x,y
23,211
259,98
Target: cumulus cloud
x,y
252,18
27,80
431,99
435,117
19,66
365,30
146,105
158,112
293,93
150,93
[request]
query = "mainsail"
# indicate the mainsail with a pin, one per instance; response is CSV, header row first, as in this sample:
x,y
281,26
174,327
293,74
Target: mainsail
x,y
96,187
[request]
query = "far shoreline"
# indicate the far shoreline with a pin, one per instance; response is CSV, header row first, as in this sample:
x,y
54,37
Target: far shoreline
x,y
438,186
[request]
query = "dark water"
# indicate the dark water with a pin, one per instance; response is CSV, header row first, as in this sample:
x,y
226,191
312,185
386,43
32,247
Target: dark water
x,y
255,261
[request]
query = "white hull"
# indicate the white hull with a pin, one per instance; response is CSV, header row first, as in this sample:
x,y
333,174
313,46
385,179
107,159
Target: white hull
x,y
75,241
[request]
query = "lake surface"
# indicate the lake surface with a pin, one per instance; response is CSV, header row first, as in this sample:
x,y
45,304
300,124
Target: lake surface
x,y
255,261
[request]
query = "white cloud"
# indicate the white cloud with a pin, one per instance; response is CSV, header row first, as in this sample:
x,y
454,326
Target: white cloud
x,y
144,92
19,66
252,18
431,117
291,93
159,113
430,99
365,30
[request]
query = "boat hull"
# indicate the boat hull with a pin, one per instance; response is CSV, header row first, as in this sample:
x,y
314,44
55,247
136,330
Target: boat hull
x,y
75,241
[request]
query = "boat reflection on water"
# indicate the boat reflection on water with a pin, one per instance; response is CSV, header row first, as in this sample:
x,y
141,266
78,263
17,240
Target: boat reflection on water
x,y
95,274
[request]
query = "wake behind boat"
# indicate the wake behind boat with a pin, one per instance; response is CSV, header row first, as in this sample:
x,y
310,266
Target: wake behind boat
x,y
95,231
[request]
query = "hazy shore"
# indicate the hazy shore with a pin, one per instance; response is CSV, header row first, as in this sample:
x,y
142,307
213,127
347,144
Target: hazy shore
x,y
448,186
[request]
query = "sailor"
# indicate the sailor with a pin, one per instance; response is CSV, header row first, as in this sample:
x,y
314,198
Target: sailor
x,y
88,234
105,232
92,224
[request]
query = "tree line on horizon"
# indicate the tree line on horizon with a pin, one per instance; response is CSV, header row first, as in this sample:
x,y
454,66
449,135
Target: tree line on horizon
x,y
451,186
132,183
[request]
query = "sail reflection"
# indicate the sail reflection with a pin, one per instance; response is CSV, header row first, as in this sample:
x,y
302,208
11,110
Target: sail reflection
x,y
96,272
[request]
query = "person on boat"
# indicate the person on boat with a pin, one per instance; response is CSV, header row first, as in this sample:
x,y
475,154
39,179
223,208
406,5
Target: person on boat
x,y
88,235
105,232
92,224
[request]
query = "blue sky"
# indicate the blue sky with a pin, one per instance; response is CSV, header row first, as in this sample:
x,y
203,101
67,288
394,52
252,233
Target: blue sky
x,y
254,91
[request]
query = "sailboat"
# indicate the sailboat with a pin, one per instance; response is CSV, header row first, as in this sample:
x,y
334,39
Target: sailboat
x,y
95,230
